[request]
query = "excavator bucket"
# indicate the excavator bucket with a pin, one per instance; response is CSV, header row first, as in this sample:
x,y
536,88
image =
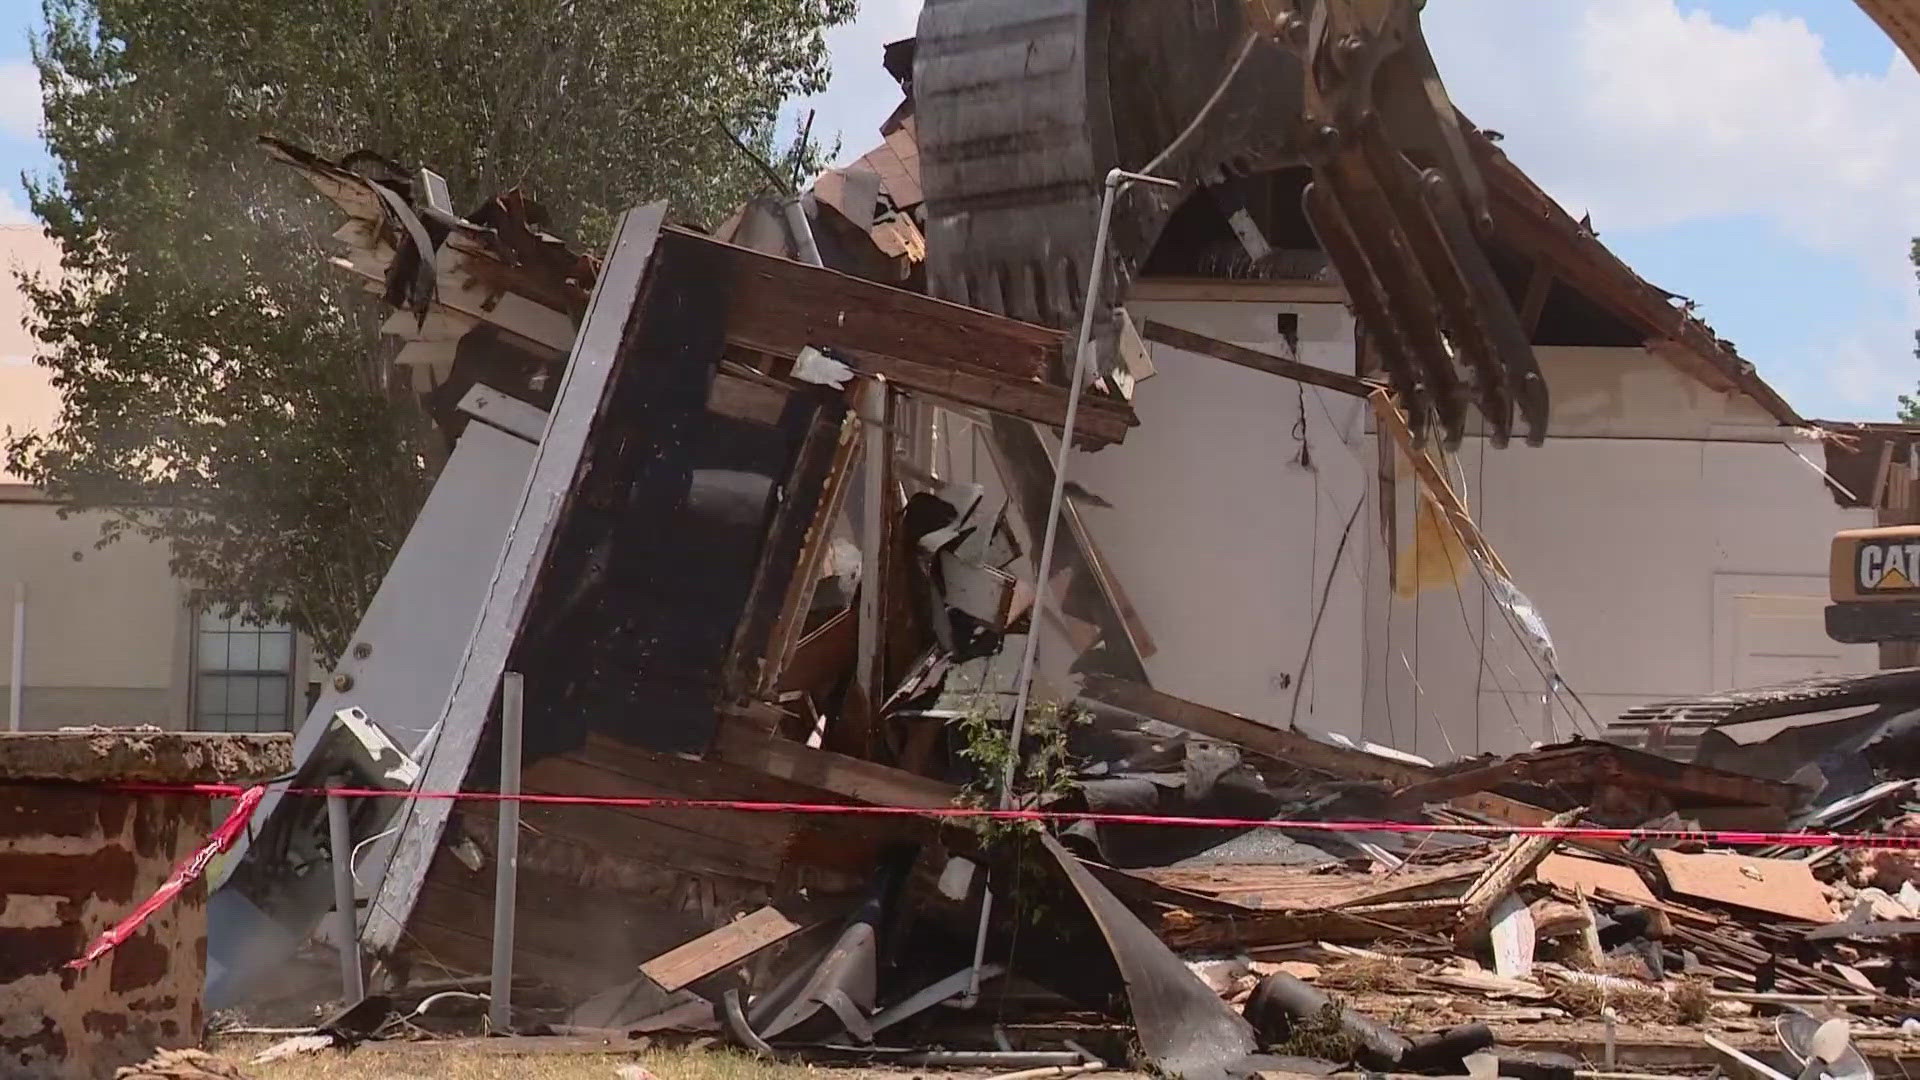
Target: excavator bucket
x,y
1022,106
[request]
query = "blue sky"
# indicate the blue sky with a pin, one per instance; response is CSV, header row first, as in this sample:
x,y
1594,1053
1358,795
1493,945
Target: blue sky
x,y
1759,156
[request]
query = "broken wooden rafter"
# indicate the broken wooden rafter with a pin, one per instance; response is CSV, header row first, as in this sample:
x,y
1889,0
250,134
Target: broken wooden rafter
x,y
1526,218
774,305
1412,918
781,306
1288,745
1284,367
1598,764
789,626
1101,422
855,778
1514,865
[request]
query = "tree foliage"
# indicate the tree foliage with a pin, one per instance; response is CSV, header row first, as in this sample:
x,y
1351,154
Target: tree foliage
x,y
1910,403
225,390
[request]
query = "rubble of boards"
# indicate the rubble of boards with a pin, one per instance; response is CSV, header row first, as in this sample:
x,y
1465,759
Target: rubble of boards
x,y
685,523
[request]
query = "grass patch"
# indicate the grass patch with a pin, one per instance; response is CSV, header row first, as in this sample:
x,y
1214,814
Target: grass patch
x,y
466,1061
1319,1036
1368,974
1692,1000
1636,1001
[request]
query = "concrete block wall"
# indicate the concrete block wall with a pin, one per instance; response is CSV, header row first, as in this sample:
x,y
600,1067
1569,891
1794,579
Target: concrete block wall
x,y
75,857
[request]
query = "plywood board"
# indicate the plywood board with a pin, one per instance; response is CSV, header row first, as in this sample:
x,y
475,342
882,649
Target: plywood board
x,y
1784,887
720,949
1591,876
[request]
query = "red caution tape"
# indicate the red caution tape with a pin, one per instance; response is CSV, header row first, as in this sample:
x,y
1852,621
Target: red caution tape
x,y
1731,838
183,875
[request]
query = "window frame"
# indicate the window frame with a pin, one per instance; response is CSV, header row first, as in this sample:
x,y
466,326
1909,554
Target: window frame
x,y
242,623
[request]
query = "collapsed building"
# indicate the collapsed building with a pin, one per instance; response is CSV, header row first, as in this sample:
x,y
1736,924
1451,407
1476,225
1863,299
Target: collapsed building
x,y
758,531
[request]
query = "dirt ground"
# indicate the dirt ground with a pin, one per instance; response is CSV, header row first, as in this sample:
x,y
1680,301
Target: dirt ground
x,y
431,1061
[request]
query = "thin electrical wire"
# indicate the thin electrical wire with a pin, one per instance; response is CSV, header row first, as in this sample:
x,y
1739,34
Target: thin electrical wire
x,y
1459,596
1513,625
353,856
1420,695
1483,668
1545,675
1313,631
1480,485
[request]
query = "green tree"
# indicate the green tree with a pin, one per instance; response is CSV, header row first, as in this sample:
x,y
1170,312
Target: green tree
x,y
1910,403
225,390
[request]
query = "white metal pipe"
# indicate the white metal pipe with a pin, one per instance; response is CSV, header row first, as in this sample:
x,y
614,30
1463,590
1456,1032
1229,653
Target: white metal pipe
x,y
507,861
340,838
18,681
802,229
1116,179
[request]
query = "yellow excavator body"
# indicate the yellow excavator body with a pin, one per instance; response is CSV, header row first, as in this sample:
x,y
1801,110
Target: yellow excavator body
x,y
1874,582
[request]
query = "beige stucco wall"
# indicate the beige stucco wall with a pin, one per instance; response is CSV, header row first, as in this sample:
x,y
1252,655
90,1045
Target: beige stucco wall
x,y
1673,544
106,630
27,400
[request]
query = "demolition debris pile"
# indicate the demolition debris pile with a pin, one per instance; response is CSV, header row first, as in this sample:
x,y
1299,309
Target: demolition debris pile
x,y
695,531
720,528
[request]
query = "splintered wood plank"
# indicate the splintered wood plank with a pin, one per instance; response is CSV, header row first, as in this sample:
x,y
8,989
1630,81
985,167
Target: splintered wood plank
x,y
1276,888
1590,876
1784,887
1511,867
825,770
1285,744
723,948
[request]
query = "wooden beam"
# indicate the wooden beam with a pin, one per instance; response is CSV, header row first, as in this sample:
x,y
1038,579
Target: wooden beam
x,y
1285,744
1102,420
1245,291
813,481
781,306
789,626
1515,864
1253,358
1411,918
841,774
853,729
720,949
1434,482
1528,220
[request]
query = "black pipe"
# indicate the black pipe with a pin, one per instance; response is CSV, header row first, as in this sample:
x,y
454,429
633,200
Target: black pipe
x,y
1281,1002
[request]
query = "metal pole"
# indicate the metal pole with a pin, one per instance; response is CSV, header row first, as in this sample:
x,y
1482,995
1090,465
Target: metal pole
x,y
872,407
1116,179
802,229
340,838
19,677
507,860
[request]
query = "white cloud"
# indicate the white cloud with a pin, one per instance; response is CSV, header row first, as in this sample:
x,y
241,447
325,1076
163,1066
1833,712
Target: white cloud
x,y
19,99
1651,117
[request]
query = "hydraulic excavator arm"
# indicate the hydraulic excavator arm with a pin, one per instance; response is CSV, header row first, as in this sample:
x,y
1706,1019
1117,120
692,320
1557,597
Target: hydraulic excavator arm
x,y
1022,108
